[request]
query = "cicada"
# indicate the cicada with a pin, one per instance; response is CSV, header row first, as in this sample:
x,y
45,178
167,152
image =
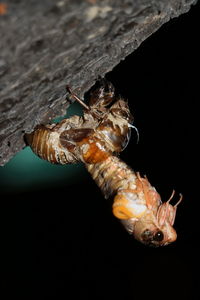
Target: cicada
x,y
96,139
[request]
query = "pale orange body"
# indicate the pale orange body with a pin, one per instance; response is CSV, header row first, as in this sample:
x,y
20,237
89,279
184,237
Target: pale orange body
x,y
95,139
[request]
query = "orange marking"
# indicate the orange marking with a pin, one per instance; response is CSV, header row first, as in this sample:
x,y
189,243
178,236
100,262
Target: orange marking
x,y
3,8
94,154
120,209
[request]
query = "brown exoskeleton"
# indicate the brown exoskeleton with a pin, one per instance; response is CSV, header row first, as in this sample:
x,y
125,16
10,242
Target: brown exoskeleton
x,y
105,126
95,139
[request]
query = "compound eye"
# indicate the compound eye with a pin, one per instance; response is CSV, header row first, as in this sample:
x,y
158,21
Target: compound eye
x,y
158,236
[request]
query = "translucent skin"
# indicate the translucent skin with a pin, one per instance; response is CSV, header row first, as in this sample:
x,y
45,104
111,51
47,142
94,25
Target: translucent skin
x,y
136,203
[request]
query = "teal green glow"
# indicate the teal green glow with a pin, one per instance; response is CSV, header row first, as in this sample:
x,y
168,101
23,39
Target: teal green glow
x,y
26,170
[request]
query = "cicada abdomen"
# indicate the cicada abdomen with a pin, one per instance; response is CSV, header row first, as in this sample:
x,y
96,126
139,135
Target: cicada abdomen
x,y
103,129
45,141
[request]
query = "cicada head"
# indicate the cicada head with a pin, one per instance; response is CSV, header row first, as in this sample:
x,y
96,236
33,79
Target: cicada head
x,y
120,109
157,230
145,216
103,98
102,95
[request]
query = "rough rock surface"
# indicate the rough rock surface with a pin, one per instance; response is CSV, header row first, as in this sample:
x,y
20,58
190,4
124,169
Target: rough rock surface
x,y
46,44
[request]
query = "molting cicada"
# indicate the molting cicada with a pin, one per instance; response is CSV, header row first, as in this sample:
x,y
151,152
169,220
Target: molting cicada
x,y
96,139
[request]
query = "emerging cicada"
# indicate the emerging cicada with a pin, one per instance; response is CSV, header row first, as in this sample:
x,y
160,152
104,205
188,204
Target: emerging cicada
x,y
95,139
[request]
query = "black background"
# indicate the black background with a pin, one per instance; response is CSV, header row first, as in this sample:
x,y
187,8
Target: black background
x,y
64,240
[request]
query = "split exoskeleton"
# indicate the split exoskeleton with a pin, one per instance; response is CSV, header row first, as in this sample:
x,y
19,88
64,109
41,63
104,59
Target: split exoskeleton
x,y
96,139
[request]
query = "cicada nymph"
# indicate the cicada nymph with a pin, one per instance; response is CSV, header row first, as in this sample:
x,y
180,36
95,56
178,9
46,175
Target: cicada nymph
x,y
104,129
96,139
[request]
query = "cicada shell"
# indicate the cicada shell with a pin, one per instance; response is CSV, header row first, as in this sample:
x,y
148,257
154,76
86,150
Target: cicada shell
x,y
96,139
103,129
